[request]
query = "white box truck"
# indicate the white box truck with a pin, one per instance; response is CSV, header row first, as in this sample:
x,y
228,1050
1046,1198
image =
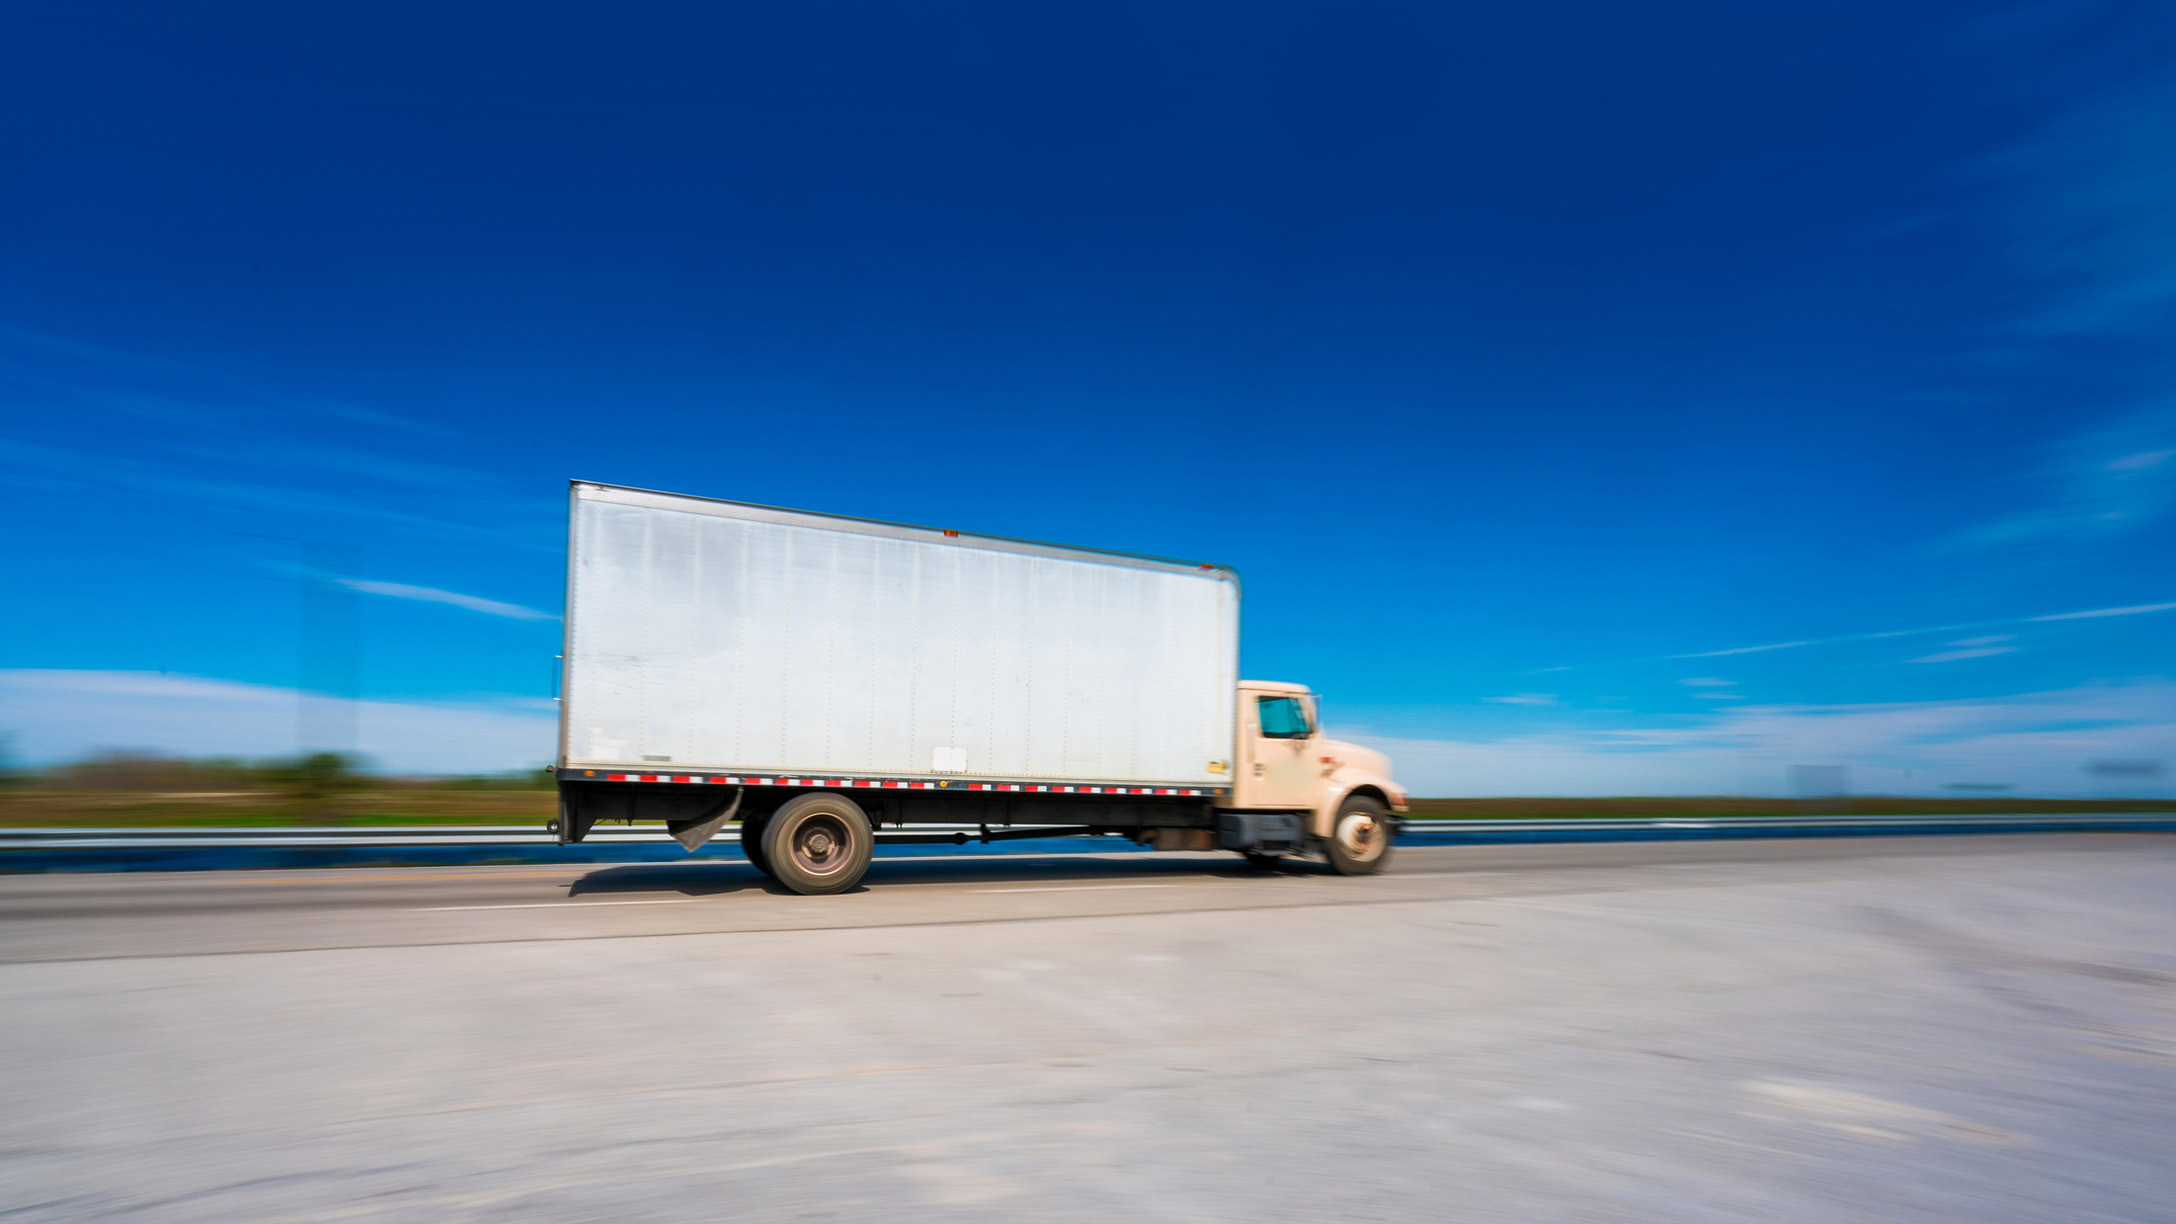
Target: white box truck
x,y
813,678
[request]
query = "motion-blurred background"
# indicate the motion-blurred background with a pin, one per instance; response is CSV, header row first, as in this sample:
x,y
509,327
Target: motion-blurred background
x,y
1670,399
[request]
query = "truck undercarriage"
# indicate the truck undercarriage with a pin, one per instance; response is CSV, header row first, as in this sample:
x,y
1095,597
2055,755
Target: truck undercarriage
x,y
696,812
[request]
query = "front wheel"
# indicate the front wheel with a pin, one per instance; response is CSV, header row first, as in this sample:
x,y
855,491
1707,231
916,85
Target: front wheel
x,y
1359,841
818,844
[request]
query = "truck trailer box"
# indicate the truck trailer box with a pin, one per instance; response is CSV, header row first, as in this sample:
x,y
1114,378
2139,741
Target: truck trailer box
x,y
710,636
812,676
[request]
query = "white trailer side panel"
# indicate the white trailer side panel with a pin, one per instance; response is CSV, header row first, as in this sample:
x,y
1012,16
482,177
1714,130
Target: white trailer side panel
x,y
706,635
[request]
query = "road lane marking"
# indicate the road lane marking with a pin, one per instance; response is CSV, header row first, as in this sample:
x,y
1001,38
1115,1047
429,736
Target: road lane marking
x,y
1439,875
1072,888
393,879
440,909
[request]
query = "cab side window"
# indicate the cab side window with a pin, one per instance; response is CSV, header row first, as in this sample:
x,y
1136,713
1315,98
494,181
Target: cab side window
x,y
1281,717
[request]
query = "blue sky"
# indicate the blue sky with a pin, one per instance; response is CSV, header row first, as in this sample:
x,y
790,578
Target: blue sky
x,y
1520,358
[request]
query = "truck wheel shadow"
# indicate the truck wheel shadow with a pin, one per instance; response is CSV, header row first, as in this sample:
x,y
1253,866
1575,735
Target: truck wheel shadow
x,y
1068,869
709,879
714,878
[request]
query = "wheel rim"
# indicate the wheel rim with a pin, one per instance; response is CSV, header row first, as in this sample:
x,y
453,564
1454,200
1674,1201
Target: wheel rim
x,y
821,844
1361,836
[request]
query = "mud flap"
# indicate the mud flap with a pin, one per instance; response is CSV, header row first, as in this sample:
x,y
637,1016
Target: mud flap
x,y
573,823
693,833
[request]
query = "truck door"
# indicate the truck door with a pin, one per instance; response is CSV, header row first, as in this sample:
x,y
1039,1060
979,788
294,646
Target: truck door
x,y
1280,770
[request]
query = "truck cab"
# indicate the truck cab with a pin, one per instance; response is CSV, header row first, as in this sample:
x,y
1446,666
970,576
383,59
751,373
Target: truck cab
x,y
1341,794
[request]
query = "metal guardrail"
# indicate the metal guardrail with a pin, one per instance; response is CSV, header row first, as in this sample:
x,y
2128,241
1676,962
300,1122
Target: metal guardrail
x,y
1596,828
413,835
2082,821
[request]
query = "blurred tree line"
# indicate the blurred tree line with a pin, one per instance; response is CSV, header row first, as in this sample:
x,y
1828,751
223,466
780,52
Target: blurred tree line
x,y
314,775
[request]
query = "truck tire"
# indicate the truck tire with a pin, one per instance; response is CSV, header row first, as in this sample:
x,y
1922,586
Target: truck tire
x,y
751,843
818,844
1359,842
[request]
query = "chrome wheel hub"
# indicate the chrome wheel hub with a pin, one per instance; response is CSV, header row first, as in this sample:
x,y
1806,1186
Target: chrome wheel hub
x,y
821,845
1361,835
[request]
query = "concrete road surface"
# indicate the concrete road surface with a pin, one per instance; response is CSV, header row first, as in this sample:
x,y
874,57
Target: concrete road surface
x,y
1955,1029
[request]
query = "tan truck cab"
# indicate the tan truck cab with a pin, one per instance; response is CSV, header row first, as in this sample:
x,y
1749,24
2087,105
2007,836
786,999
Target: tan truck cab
x,y
1342,793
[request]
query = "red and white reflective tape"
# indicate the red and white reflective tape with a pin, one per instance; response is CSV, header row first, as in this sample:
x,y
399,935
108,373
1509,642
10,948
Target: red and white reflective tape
x,y
898,784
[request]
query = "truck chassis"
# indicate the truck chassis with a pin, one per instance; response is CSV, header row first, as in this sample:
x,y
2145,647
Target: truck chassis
x,y
695,808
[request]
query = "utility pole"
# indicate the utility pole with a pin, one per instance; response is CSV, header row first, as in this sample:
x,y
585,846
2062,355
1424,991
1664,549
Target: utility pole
x,y
327,645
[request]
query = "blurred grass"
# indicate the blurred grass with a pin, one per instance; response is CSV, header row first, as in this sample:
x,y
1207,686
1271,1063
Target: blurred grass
x,y
477,802
1665,806
406,805
145,790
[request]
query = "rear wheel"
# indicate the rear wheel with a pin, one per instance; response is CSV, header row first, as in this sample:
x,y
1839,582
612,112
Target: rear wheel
x,y
751,843
818,844
1359,841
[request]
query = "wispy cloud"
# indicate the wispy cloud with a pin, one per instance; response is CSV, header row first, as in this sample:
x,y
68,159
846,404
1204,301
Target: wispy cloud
x,y
1849,638
33,465
204,393
2083,209
98,418
1974,652
2113,479
1711,688
423,594
64,715
275,455
2090,211
2045,743
1746,650
2139,462
2096,613
1526,699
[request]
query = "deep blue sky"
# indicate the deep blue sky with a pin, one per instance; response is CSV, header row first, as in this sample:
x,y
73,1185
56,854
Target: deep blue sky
x,y
1481,339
